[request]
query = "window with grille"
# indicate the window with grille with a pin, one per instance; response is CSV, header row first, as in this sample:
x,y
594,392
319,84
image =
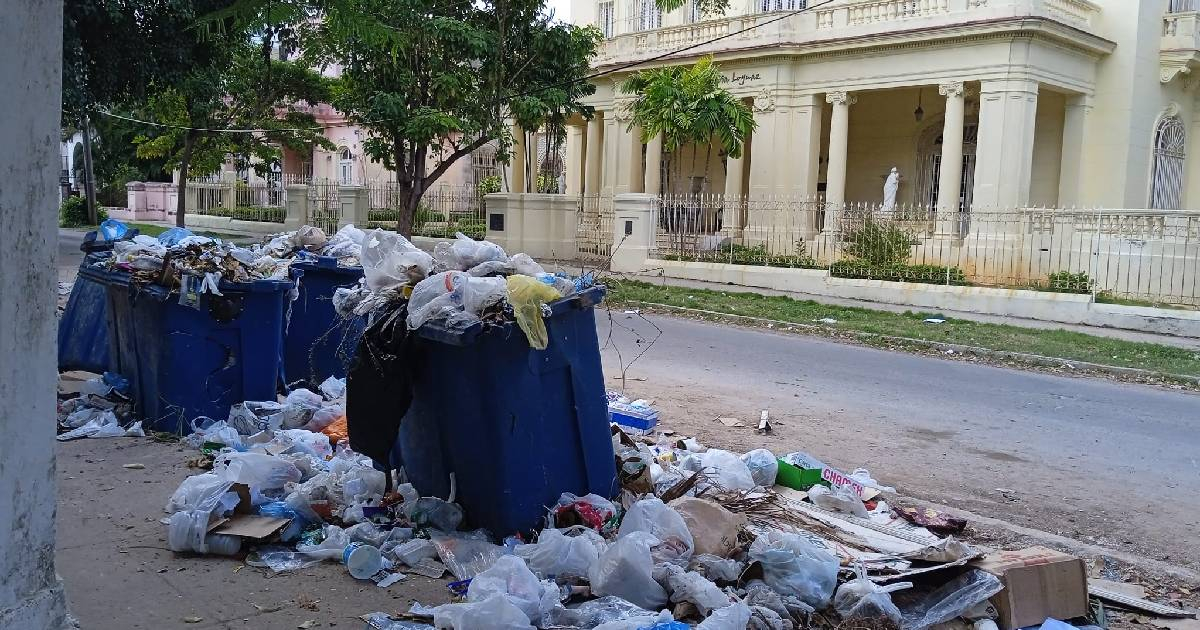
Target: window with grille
x,y
1166,184
692,12
1180,6
606,19
767,6
646,15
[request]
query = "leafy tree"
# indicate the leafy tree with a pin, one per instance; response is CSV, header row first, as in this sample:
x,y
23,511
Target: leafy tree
x,y
269,102
433,80
687,104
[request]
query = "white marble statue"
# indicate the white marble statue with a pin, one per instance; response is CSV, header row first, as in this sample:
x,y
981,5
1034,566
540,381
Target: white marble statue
x,y
890,188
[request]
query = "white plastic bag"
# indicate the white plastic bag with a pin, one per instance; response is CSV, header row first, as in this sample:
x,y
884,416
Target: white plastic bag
x,y
333,388
331,548
838,499
465,252
324,417
645,622
625,570
495,613
763,466
861,598
557,554
692,587
950,600
445,294
728,470
732,617
716,568
511,578
197,491
525,265
652,516
302,441
466,554
259,471
794,566
389,260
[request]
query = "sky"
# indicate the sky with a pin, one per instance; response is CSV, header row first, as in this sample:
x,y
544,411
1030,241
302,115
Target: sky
x,y
562,9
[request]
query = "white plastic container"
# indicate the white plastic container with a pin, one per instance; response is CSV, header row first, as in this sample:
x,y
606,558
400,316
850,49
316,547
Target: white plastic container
x,y
223,545
362,560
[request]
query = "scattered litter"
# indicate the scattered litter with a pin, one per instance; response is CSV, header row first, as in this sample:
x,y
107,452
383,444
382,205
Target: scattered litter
x,y
827,320
934,320
731,422
133,466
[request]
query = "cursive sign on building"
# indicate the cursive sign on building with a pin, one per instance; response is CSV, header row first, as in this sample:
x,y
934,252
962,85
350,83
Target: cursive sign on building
x,y
740,79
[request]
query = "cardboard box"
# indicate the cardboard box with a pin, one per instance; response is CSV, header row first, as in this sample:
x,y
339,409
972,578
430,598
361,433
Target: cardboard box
x,y
1039,583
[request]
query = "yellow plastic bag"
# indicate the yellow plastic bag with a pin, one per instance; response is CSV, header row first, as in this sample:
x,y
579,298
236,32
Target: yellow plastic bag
x,y
527,295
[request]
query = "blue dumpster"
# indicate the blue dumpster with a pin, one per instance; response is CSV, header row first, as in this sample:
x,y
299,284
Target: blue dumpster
x,y
318,343
516,427
83,327
184,361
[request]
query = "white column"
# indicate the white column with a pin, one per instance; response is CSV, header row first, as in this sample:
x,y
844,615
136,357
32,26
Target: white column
x,y
1004,153
1070,176
735,194
950,177
516,166
574,160
595,154
654,165
839,137
635,176
623,153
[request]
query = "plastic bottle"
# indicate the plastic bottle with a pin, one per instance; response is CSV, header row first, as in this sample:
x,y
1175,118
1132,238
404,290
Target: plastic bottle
x,y
223,545
362,561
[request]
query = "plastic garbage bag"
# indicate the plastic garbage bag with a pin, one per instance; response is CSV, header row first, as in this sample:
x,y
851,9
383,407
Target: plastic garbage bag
x,y
495,613
654,621
950,600
304,398
388,260
625,570
763,466
436,513
794,566
489,268
511,578
838,499
465,252
673,539
594,612
735,616
466,554
716,568
527,296
525,265
726,469
331,547
863,476
197,491
257,470
302,441
171,237
324,417
563,553
112,230
451,293
591,510
861,598
347,242
714,529
279,559
761,596
333,388
412,552
382,621
309,237
689,586
99,425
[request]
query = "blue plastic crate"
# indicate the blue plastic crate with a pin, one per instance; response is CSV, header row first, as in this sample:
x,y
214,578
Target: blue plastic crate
x,y
516,427
637,418
317,342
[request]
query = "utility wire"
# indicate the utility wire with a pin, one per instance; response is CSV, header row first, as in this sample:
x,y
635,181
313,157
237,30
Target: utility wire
x,y
595,75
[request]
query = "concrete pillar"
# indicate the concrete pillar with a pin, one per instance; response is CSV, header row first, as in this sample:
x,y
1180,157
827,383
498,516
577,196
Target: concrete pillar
x,y
1070,177
297,207
574,161
950,177
735,196
595,155
1004,153
787,143
654,166
839,138
354,206
635,174
622,153
516,170
633,231
31,595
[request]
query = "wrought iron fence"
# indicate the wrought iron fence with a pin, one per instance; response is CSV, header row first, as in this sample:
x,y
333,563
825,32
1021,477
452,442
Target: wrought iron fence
x,y
1116,255
442,211
236,200
594,228
324,206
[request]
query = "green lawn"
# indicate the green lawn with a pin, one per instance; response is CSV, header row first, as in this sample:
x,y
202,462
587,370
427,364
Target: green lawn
x,y
1061,344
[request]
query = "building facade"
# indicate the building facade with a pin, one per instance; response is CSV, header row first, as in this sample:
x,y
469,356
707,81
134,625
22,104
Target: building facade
x,y
978,103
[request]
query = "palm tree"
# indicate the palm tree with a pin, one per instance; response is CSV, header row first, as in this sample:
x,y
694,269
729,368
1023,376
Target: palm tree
x,y
687,104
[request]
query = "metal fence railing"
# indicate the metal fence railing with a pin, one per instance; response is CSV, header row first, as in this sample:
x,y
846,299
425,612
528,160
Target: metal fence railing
x,y
594,228
1134,255
324,205
442,211
233,199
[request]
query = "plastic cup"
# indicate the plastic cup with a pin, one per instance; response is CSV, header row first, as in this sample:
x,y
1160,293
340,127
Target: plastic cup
x,y
362,561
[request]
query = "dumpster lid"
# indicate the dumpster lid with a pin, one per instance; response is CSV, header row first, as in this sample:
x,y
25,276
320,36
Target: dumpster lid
x,y
307,261
437,331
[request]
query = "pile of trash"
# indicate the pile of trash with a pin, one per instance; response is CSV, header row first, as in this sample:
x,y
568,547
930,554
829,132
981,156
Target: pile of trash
x,y
95,407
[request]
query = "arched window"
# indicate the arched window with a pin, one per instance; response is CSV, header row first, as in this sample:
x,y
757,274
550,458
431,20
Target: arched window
x,y
1166,182
346,167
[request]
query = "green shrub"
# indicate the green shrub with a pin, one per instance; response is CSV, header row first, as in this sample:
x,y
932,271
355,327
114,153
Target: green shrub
x,y
899,272
878,243
1067,282
425,214
385,215
488,185
73,213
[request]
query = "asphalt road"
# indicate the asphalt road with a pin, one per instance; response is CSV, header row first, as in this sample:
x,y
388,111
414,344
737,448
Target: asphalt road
x,y
1109,463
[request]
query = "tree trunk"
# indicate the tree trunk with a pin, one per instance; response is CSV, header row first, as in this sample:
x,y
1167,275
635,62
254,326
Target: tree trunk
x,y
89,175
185,160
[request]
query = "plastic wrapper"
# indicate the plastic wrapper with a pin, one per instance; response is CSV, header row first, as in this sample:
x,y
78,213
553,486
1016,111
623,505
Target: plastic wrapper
x,y
465,252
197,492
763,466
950,600
525,265
346,243
450,293
716,568
724,467
689,586
660,621
792,565
625,570
389,260
489,268
257,470
732,617
510,578
563,553
338,430
466,554
101,425
324,417
495,613
594,612
333,388
838,499
527,296
591,510
381,621
279,559
436,513
412,552
673,539
861,598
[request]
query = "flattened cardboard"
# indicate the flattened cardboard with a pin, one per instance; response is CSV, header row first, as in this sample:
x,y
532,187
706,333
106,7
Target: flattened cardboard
x,y
247,526
1039,583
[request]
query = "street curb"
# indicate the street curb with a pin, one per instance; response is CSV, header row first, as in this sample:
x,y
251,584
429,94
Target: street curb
x,y
1036,359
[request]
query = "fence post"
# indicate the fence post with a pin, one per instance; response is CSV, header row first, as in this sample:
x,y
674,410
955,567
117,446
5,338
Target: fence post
x,y
297,206
353,202
633,231
229,195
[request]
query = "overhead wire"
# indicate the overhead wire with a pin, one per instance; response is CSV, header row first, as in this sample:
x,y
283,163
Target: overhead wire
x,y
620,68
